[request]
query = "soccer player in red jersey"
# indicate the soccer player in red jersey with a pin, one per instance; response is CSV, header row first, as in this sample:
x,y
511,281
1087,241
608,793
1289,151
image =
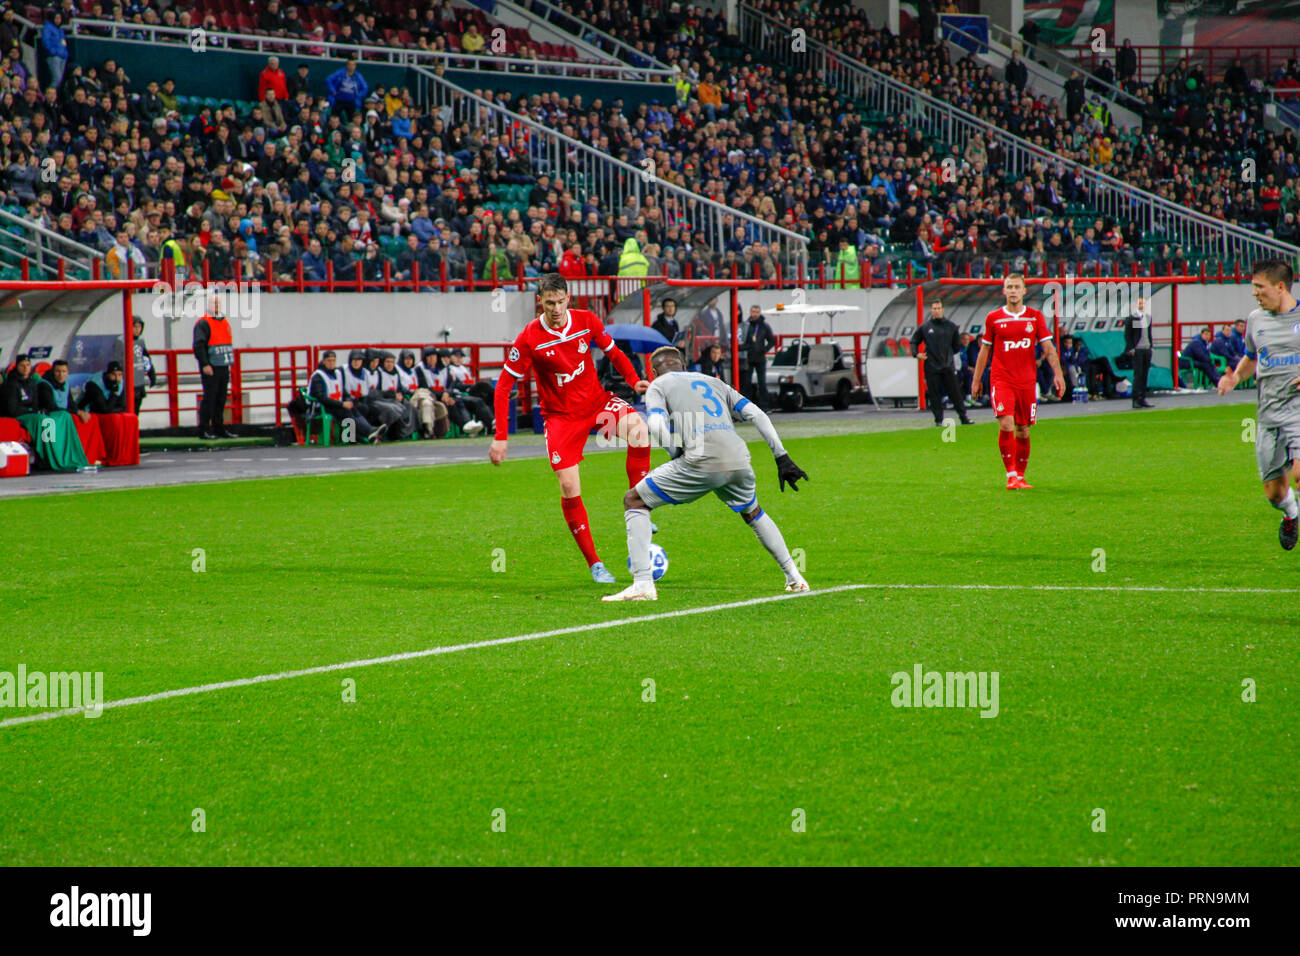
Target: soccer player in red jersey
x,y
1010,334
556,346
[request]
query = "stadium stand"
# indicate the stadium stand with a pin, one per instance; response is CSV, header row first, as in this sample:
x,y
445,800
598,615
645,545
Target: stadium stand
x,y
161,179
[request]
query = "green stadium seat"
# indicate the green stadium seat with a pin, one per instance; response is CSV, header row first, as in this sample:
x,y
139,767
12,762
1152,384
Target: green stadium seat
x,y
322,416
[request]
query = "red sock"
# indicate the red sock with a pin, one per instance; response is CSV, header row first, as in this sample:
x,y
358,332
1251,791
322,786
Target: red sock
x,y
1007,445
638,464
575,516
1022,455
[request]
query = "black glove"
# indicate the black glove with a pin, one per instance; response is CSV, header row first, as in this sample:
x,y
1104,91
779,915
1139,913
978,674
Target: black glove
x,y
786,470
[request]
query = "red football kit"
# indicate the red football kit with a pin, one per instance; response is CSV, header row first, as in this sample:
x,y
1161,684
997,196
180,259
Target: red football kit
x,y
573,402
1013,337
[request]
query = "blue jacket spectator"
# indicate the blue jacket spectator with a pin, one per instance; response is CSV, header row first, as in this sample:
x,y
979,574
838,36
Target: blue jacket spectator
x,y
1074,361
1239,336
423,226
1225,346
1198,352
54,42
313,263
347,88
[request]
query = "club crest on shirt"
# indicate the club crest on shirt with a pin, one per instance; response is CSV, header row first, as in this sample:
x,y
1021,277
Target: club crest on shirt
x,y
582,347
1296,328
1029,326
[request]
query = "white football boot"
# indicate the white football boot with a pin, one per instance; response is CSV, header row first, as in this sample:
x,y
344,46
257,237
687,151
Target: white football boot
x,y
635,592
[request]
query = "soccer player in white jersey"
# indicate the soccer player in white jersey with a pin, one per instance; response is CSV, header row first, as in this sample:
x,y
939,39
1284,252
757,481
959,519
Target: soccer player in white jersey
x,y
708,456
1273,357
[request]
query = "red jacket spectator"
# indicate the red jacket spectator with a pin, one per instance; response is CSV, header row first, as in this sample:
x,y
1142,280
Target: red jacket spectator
x,y
572,266
273,78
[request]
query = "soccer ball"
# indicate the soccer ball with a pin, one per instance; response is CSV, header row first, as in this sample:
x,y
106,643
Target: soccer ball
x,y
658,562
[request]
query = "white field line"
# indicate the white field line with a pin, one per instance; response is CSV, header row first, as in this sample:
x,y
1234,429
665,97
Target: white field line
x,y
1069,587
601,625
413,655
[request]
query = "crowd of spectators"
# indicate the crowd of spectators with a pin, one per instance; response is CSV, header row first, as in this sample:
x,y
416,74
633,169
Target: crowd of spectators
x,y
322,167
1189,148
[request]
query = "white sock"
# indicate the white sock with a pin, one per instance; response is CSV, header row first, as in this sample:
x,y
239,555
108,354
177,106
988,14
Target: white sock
x,y
1288,505
638,544
769,534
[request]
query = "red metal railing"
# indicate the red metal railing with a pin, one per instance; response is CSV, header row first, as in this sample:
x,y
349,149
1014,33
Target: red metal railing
x,y
1258,61
279,371
602,293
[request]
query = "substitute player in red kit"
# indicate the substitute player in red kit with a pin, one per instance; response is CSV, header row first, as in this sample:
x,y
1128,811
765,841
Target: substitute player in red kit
x,y
1010,335
556,346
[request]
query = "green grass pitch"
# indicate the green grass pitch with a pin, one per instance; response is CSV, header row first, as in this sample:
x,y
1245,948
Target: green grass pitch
x,y
547,752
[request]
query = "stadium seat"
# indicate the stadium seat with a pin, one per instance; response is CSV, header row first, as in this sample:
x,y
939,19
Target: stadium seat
x,y
322,416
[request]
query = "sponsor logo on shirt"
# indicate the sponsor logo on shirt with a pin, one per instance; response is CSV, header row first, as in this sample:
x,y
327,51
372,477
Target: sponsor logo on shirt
x,y
1276,361
1017,344
564,378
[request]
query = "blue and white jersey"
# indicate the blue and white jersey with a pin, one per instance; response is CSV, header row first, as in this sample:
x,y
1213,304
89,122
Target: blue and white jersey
x,y
1273,341
700,409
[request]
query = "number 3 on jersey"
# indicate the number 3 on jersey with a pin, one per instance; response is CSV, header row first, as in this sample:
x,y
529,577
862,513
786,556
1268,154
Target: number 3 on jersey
x,y
712,407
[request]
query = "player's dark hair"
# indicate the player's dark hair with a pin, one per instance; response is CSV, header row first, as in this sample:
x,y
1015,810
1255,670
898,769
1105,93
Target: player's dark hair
x,y
1274,271
552,282
58,362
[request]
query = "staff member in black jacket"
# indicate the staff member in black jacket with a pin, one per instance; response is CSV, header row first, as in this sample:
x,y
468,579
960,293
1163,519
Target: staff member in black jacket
x,y
215,351
942,341
756,339
1137,344
18,393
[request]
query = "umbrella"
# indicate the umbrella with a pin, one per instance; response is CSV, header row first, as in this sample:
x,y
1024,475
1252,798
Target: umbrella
x,y
638,338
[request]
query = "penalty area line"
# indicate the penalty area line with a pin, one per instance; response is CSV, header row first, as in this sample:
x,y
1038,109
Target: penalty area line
x,y
415,655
